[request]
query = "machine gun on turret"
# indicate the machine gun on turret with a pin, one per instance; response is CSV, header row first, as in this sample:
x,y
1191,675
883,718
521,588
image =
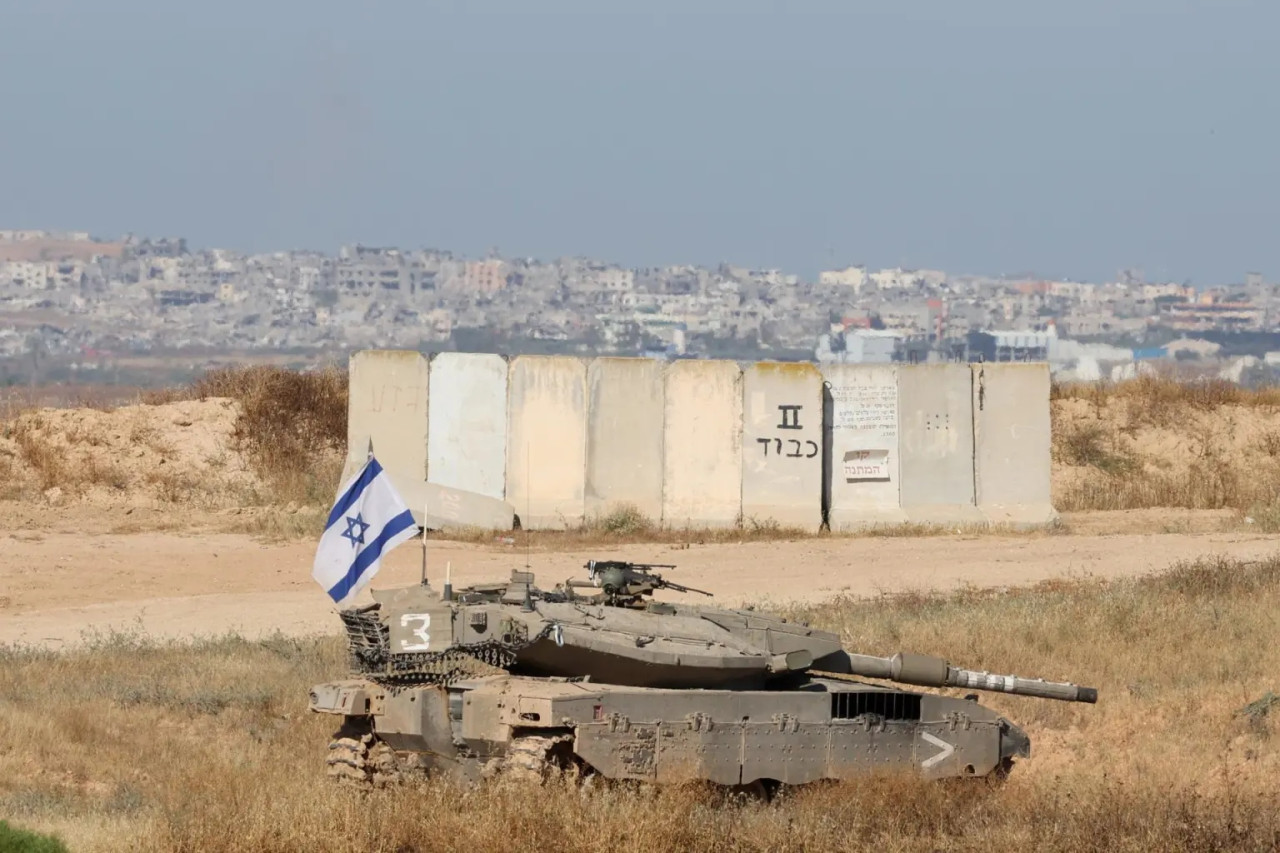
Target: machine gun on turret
x,y
625,582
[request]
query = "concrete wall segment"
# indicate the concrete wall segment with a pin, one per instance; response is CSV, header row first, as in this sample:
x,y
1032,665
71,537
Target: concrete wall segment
x,y
709,443
782,444
547,440
1012,443
702,444
864,469
467,418
935,438
625,398
387,404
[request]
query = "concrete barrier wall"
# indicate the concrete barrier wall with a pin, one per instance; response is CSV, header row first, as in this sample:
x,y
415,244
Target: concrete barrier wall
x,y
547,440
624,436
782,444
1012,443
702,444
864,470
388,406
935,438
467,423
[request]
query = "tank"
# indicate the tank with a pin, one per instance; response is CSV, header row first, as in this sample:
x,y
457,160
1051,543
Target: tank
x,y
598,677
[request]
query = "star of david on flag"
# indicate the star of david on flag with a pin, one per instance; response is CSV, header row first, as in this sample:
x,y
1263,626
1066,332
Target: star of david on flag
x,y
368,519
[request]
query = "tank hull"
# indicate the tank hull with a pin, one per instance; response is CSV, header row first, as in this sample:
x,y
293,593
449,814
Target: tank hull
x,y
821,730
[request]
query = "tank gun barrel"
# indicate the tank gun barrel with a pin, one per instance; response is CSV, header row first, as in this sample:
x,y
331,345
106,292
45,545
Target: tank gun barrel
x,y
928,671
662,583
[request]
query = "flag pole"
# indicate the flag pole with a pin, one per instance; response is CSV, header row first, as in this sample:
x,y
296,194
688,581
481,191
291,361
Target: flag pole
x,y
424,552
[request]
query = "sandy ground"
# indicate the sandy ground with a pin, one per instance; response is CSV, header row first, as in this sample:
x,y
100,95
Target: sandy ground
x,y
59,585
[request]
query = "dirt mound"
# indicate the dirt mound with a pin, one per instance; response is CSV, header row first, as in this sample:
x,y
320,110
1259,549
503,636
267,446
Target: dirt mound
x,y
1117,451
178,452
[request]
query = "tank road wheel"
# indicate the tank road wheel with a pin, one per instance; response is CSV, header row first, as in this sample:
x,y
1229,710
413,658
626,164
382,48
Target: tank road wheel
x,y
1000,774
348,759
533,759
362,761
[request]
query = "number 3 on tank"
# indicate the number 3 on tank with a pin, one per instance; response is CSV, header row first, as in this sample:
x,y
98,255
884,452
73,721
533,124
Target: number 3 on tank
x,y
406,621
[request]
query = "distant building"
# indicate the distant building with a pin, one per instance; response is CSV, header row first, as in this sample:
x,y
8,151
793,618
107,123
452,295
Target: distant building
x,y
488,276
614,278
33,275
22,236
1192,347
1208,314
855,277
365,269
308,278
859,346
1009,346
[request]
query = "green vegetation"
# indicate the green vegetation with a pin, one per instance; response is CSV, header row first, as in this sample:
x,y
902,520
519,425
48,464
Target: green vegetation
x,y
20,841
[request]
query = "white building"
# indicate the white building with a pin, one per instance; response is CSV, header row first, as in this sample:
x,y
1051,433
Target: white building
x,y
613,278
855,277
33,275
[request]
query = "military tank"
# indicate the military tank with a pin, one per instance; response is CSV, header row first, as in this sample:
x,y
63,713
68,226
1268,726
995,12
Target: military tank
x,y
598,677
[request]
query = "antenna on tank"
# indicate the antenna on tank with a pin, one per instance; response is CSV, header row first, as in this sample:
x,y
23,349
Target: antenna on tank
x,y
424,550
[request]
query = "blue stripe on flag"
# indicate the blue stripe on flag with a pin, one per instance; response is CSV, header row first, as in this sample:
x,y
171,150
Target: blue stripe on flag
x,y
351,495
370,553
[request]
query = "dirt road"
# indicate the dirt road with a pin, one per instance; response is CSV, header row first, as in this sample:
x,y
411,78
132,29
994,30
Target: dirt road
x,y
57,586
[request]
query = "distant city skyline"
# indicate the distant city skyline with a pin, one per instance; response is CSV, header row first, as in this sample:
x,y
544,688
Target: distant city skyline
x,y
497,251
990,138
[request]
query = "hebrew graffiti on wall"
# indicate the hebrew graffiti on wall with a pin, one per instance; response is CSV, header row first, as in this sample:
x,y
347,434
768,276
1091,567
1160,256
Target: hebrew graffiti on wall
x,y
792,448
865,421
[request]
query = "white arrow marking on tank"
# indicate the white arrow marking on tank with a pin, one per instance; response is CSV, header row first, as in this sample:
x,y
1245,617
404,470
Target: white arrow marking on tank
x,y
947,749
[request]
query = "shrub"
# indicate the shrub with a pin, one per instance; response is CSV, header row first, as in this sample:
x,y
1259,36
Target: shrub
x,y
292,425
13,840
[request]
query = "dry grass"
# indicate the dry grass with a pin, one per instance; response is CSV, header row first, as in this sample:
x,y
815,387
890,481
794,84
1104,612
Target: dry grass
x,y
1160,442
292,426
1164,399
276,523
626,525
126,745
53,466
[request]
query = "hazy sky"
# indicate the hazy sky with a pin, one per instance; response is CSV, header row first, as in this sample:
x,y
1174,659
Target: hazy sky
x,y
1066,138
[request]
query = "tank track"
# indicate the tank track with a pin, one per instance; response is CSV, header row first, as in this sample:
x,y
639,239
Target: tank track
x,y
527,759
362,762
445,667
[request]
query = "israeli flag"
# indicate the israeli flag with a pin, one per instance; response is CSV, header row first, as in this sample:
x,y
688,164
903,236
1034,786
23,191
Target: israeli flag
x,y
368,519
